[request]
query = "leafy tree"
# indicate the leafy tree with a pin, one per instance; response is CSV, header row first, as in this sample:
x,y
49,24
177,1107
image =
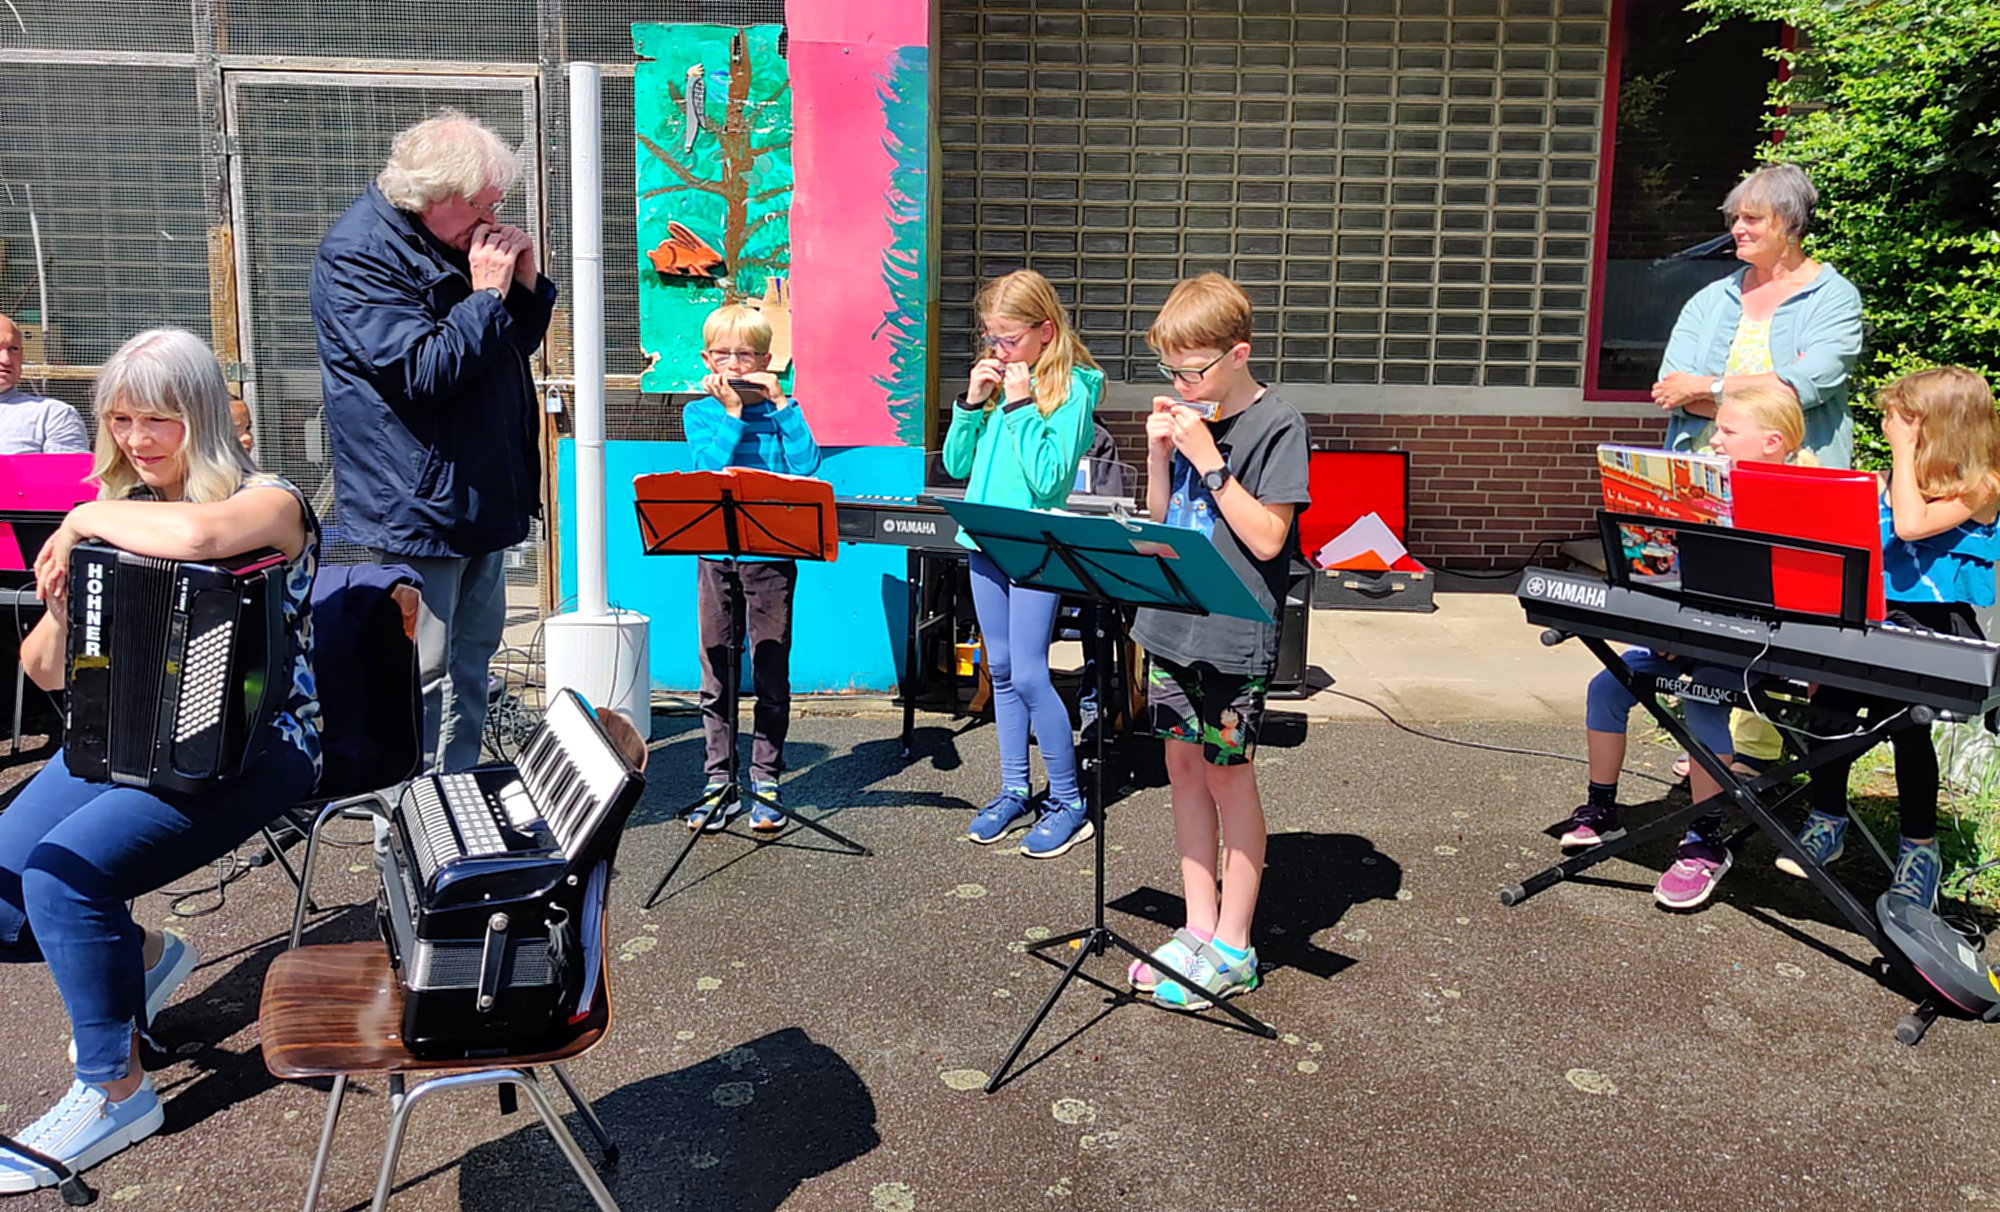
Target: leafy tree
x,y
1893,108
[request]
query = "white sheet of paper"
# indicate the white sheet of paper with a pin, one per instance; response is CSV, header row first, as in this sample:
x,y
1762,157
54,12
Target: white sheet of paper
x,y
1369,533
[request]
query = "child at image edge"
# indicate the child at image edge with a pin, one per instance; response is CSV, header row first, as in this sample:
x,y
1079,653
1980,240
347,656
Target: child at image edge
x,y
1229,458
755,427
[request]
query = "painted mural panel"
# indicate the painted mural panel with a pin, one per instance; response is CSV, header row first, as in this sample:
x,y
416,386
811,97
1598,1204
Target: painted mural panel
x,y
713,108
845,271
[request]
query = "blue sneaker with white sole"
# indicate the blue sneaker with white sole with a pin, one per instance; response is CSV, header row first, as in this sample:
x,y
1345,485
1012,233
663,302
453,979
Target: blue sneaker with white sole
x,y
177,960
81,1130
1062,826
1003,814
765,817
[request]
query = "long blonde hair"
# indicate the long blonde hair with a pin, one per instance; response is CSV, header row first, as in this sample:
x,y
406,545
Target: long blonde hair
x,y
1027,298
170,372
1958,436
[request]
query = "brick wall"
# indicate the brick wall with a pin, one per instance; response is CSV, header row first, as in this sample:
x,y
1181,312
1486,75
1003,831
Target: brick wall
x,y
1483,490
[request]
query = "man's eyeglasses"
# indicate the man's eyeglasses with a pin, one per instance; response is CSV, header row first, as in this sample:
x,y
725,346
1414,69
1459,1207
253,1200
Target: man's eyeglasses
x,y
1188,374
741,357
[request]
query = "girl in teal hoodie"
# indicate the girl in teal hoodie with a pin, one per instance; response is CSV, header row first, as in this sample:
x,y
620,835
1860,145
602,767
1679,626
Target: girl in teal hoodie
x,y
1016,437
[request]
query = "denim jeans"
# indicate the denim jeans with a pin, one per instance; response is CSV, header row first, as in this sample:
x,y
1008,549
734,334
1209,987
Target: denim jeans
x,y
458,631
72,853
1015,625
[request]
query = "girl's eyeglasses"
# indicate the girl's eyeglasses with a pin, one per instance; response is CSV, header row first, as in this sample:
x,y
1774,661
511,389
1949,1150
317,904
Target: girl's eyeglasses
x,y
1187,374
1006,345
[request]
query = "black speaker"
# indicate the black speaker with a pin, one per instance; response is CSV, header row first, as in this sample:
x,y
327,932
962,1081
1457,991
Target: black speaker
x,y
1288,679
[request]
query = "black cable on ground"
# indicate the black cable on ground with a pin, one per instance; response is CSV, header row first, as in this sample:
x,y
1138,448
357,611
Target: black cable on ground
x,y
1501,574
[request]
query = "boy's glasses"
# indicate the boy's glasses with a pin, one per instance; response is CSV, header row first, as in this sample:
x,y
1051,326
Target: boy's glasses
x,y
740,357
1188,374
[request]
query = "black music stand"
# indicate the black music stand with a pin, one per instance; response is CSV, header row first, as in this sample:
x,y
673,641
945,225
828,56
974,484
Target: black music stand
x,y
1721,571
1110,561
728,515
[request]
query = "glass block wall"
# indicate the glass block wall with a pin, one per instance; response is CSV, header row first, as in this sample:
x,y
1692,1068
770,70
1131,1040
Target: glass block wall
x,y
1406,188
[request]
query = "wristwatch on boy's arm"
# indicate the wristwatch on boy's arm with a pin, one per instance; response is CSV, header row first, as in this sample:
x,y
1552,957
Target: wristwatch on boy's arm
x,y
1215,479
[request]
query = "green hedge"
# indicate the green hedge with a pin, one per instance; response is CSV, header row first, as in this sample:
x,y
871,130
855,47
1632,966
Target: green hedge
x,y
1893,108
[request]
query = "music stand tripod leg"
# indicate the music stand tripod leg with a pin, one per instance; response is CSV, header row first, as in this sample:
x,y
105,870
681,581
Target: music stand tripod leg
x,y
721,798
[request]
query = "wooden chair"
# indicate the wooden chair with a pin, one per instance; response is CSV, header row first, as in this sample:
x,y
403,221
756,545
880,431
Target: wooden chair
x,y
335,1009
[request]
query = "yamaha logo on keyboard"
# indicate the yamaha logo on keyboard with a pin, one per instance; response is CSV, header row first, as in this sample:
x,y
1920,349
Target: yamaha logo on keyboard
x,y
909,526
1589,594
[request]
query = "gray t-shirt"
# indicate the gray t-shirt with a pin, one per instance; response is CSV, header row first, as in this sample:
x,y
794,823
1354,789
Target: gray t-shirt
x,y
32,424
1266,446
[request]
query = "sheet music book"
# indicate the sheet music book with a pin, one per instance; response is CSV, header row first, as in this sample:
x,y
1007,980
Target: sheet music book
x,y
1676,485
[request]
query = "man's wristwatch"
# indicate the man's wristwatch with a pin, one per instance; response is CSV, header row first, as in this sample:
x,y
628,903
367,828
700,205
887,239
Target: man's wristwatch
x,y
1715,388
1214,480
495,291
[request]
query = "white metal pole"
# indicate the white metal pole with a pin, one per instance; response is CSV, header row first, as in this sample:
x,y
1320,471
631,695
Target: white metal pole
x,y
586,191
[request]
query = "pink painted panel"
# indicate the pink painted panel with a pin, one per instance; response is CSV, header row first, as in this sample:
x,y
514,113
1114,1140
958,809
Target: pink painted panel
x,y
840,227
860,22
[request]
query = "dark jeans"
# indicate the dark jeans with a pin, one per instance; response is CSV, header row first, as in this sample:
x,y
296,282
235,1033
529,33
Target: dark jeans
x,y
732,597
73,852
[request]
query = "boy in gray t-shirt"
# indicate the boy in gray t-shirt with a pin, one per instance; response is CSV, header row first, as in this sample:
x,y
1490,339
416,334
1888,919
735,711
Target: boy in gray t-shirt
x,y
1229,458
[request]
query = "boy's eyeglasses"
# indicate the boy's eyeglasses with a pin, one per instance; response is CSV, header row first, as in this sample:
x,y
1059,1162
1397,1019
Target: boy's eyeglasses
x,y
738,356
1189,375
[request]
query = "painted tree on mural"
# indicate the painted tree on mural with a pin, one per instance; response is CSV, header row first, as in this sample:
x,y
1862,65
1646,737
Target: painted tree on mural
x,y
752,200
906,110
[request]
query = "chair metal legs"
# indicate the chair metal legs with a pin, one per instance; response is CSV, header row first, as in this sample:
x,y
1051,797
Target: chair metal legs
x,y
605,1144
333,1102
525,1081
379,806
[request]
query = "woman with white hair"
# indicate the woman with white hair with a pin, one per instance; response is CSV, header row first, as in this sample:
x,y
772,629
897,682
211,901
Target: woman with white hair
x,y
1784,320
174,484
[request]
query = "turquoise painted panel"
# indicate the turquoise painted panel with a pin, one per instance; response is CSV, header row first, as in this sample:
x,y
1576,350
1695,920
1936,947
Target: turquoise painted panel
x,y
848,619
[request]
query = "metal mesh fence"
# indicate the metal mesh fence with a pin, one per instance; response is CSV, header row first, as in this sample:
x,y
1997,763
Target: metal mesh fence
x,y
130,25
492,30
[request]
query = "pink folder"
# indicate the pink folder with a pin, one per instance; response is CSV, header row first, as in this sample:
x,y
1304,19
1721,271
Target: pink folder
x,y
41,483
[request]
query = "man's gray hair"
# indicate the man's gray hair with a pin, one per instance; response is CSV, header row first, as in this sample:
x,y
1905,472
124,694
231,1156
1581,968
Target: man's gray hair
x,y
1779,190
452,153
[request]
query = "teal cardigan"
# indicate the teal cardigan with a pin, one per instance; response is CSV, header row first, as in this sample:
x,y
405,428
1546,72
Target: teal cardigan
x,y
1815,338
1012,455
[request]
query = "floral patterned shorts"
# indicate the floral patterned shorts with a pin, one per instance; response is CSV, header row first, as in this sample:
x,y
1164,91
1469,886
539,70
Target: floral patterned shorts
x,y
1201,705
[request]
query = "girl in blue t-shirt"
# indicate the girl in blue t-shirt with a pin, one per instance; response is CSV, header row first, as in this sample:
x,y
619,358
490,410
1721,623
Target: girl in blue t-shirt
x,y
1939,540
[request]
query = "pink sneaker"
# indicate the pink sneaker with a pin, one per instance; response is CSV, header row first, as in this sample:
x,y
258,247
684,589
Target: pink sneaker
x,y
1693,877
1588,826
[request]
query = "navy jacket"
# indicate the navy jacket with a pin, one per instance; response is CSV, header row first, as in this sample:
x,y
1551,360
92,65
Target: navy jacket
x,y
370,707
430,402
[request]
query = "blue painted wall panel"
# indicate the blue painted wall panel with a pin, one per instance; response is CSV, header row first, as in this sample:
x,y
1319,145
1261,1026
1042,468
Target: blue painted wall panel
x,y
848,619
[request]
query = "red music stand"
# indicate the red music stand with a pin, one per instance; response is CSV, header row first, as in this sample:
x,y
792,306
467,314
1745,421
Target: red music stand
x,y
727,515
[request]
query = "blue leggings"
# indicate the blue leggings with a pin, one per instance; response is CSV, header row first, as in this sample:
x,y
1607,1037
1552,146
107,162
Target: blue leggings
x,y
1016,625
1608,703
73,852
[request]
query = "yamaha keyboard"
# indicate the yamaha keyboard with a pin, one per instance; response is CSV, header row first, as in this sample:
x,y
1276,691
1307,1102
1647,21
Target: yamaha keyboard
x,y
1945,673
486,885
922,523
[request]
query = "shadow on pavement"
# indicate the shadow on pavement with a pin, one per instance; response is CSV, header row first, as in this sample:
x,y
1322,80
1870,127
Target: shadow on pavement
x,y
737,1132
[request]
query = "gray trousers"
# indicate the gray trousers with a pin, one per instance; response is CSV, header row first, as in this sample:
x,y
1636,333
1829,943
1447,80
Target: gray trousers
x,y
732,598
458,631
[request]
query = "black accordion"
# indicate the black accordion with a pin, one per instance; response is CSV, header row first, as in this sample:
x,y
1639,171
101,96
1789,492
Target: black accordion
x,y
176,667
493,886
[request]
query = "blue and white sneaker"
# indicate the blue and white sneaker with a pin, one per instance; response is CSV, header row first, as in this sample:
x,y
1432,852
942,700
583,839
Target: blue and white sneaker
x,y
81,1130
177,960
1824,838
763,817
1062,826
1919,871
1004,814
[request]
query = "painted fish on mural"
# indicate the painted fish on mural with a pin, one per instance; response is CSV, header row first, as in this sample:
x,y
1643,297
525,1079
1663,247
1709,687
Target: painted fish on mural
x,y
684,254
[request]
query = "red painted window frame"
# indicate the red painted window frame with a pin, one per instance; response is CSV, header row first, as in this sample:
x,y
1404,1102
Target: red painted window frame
x,y
1600,239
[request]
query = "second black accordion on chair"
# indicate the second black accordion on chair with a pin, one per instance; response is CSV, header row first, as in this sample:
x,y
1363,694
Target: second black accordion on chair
x,y
176,667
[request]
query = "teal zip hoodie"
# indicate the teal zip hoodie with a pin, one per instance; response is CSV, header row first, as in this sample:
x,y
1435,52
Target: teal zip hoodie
x,y
1011,455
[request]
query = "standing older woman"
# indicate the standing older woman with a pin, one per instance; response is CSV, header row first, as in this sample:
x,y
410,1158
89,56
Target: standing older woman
x,y
1784,320
174,484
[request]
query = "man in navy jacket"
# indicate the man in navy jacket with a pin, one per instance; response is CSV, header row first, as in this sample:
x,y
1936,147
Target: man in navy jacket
x,y
428,310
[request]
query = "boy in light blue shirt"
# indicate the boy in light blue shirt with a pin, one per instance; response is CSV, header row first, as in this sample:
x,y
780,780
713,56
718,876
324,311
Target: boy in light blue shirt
x,y
745,421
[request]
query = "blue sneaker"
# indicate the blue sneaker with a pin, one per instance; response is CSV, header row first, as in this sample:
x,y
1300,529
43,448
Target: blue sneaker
x,y
1824,838
1919,871
716,807
1003,814
1061,827
80,1131
177,960
763,817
